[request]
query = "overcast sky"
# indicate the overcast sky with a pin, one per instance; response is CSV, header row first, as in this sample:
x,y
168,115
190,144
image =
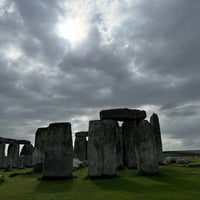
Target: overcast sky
x,y
67,60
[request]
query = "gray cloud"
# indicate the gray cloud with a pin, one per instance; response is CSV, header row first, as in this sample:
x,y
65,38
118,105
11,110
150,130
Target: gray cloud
x,y
137,54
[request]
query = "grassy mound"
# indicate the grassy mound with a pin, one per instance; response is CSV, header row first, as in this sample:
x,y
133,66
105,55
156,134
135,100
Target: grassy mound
x,y
173,182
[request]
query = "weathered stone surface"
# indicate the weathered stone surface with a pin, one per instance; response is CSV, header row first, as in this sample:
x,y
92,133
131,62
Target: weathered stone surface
x,y
102,153
80,148
2,155
38,152
120,148
13,154
9,140
82,134
129,131
2,149
154,120
27,152
146,149
123,114
58,151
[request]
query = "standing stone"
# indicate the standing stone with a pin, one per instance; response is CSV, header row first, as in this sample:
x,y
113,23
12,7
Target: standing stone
x,y
27,152
154,120
146,150
13,154
102,153
129,131
38,151
120,148
80,146
2,155
58,151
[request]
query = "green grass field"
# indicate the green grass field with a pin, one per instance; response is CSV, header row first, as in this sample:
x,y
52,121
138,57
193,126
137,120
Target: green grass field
x,y
174,182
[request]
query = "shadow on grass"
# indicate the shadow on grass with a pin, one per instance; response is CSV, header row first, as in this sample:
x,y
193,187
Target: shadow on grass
x,y
54,186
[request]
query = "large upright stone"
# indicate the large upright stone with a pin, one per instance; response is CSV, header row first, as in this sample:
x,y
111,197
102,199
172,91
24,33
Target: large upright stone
x,y
154,120
2,155
58,151
80,146
129,131
13,154
38,152
146,150
27,152
120,148
102,153
123,114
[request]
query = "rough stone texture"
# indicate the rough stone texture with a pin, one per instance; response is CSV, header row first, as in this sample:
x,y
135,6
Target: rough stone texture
x,y
80,148
102,153
38,152
58,151
2,155
129,131
27,152
82,134
154,120
123,114
13,154
120,148
2,149
146,149
9,140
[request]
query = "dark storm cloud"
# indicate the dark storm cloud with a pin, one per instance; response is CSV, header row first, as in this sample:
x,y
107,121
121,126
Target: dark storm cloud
x,y
144,55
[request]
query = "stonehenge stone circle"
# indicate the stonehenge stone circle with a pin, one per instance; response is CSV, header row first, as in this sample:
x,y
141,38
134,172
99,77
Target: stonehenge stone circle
x,y
58,151
129,130
80,146
146,150
27,152
102,155
154,120
38,151
13,154
122,114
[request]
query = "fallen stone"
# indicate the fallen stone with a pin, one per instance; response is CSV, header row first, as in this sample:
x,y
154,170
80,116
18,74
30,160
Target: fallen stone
x,y
123,114
129,131
102,153
146,150
58,152
182,161
154,120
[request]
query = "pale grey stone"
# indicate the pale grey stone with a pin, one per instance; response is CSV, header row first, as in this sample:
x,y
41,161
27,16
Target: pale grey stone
x,y
154,120
102,153
146,149
129,131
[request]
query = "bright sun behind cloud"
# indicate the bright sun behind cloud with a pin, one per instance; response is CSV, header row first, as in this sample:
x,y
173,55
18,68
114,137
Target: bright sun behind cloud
x,y
73,30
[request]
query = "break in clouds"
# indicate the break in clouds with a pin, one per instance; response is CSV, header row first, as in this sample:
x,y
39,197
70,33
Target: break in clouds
x,y
67,60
